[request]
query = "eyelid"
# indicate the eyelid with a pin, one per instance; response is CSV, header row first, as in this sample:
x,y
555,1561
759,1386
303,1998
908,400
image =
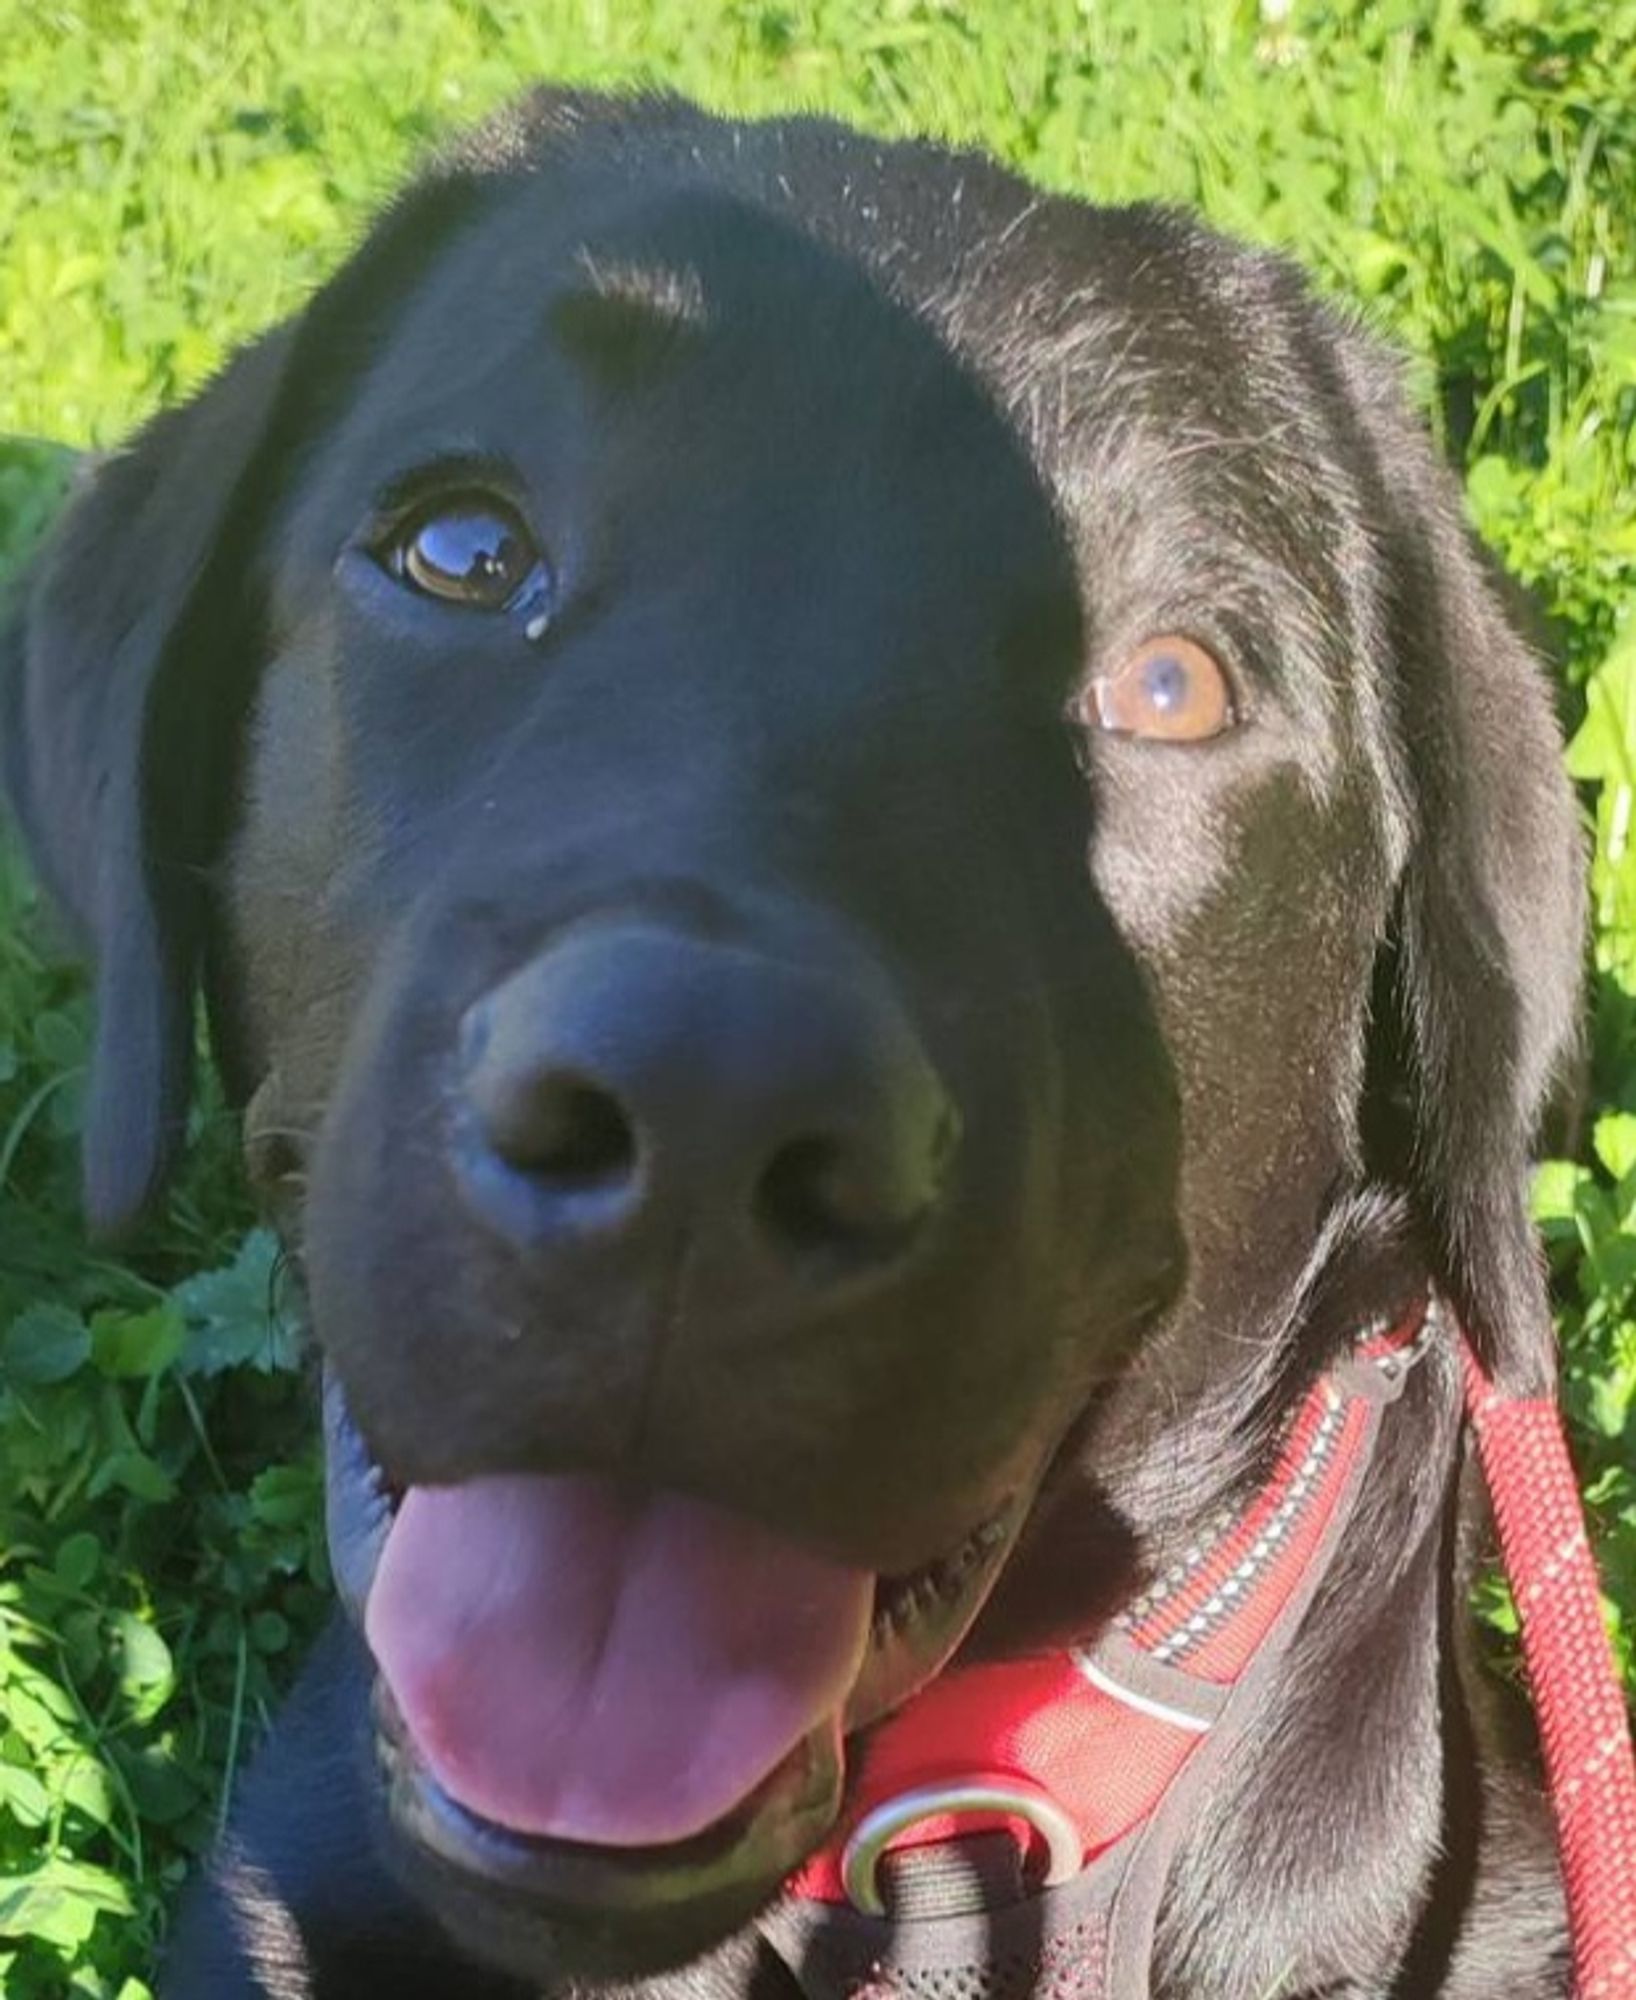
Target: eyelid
x,y
1215,646
448,476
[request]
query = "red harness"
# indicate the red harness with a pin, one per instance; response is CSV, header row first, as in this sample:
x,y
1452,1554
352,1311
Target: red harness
x,y
1020,1817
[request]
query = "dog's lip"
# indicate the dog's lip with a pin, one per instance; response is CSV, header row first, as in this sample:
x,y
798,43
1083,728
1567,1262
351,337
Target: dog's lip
x,y
919,1621
740,1858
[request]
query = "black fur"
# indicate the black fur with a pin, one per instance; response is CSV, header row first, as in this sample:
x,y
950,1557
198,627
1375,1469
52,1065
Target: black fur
x,y
858,461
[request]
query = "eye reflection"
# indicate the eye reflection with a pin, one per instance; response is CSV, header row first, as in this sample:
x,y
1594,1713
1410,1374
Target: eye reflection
x,y
473,550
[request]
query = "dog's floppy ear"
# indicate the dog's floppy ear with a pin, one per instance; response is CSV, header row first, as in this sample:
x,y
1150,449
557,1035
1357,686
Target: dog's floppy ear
x,y
116,764
1480,997
127,673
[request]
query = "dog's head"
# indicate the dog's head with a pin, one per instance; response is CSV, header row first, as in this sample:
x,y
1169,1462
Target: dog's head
x,y
829,814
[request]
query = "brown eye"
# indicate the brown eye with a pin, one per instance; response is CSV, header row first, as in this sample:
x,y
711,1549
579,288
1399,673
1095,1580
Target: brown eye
x,y
1170,688
472,550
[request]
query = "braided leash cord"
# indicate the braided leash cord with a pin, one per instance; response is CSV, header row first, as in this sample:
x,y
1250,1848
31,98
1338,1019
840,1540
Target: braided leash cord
x,y
1584,1733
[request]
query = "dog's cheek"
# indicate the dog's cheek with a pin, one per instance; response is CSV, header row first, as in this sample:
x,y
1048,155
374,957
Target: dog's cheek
x,y
294,874
1258,937
1159,856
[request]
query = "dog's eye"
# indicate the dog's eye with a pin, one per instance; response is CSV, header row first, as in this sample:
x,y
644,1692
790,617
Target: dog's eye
x,y
1169,688
472,550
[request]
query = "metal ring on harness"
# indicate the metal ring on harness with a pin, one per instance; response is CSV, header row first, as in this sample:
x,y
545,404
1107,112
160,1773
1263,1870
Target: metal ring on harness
x,y
1016,1798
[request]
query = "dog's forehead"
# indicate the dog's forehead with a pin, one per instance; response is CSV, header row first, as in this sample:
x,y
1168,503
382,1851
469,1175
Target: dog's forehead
x,y
1148,380
691,329
646,283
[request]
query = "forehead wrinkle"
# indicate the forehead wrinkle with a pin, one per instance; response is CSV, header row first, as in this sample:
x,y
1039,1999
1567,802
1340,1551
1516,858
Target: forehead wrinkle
x,y
672,290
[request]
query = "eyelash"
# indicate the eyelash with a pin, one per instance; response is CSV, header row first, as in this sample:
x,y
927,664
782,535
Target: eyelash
x,y
450,476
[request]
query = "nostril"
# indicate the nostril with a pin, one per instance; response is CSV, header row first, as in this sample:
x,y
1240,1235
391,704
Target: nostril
x,y
563,1128
641,1089
809,1197
827,1193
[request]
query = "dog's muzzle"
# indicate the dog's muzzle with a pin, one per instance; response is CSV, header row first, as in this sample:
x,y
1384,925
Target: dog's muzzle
x,y
571,1830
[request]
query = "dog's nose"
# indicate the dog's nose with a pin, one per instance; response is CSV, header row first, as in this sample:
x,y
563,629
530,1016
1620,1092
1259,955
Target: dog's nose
x,y
638,1081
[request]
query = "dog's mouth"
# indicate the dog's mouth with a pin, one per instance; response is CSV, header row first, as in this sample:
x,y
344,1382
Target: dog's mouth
x,y
610,1702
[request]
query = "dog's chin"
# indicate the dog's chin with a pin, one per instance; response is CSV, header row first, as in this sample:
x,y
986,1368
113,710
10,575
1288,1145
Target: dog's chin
x,y
549,1908
554,1909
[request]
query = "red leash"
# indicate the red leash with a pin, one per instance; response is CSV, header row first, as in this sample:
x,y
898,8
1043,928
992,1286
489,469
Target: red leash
x,y
1590,1773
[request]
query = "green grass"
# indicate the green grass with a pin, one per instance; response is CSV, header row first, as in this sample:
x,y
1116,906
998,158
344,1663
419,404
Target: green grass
x,y
174,176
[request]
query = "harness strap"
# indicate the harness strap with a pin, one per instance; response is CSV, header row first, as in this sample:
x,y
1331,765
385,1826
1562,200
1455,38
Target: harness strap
x,y
1054,1944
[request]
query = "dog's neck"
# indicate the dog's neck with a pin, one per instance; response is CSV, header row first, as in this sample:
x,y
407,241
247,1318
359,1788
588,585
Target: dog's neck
x,y
1120,1749
1361,1704
1158,1455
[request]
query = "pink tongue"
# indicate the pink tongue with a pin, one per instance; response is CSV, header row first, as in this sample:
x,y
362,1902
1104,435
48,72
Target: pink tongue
x,y
597,1666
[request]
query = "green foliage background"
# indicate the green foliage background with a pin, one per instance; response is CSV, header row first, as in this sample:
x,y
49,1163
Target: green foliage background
x,y
174,176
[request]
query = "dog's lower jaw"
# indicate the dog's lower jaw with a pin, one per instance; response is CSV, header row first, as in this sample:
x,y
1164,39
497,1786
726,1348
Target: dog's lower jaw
x,y
553,1913
600,1912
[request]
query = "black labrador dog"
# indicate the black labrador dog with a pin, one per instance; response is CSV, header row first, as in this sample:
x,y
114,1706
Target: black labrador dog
x,y
877,869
